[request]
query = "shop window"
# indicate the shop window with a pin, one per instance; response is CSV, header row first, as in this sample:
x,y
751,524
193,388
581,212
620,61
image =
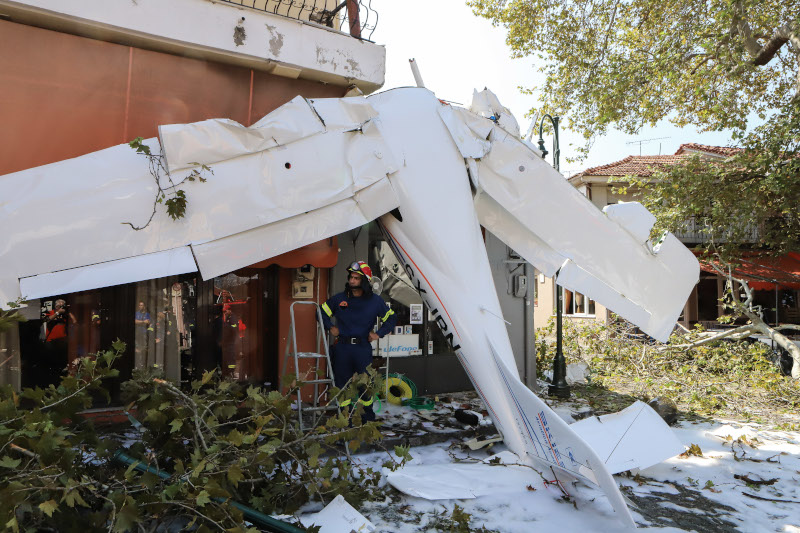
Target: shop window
x,y
234,313
163,321
577,304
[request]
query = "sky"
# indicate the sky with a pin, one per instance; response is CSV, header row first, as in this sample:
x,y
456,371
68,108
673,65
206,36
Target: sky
x,y
457,52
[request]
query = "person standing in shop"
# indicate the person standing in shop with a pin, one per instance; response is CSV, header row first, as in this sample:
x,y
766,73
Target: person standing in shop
x,y
356,310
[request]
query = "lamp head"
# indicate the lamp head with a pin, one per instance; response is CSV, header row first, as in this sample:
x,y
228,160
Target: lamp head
x,y
542,148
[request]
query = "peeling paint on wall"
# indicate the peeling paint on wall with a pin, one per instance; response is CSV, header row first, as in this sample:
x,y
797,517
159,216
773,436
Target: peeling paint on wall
x,y
239,35
339,60
275,41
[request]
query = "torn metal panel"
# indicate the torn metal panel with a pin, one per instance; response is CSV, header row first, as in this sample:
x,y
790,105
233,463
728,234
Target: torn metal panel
x,y
508,229
470,132
343,113
140,268
214,140
636,437
369,157
541,200
486,104
633,217
227,254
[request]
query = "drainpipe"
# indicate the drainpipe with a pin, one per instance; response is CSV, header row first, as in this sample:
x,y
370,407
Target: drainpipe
x,y
530,334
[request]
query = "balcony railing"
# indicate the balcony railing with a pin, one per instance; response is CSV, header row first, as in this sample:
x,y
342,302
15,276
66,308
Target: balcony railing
x,y
355,17
695,231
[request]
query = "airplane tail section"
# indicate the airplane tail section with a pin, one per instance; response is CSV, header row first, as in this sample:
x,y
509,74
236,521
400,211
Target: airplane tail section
x,y
550,441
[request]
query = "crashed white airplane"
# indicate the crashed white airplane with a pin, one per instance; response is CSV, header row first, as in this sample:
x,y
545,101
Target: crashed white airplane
x,y
430,173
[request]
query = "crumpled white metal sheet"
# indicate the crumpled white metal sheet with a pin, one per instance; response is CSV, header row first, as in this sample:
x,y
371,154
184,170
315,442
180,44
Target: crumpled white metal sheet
x,y
139,268
226,254
636,437
537,196
214,140
460,481
70,214
469,131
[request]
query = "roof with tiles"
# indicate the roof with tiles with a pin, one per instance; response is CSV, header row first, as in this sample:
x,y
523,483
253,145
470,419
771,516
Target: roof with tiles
x,y
647,165
716,150
634,165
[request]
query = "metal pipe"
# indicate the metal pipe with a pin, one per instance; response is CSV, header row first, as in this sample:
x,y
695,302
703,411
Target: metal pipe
x,y
529,333
415,71
250,514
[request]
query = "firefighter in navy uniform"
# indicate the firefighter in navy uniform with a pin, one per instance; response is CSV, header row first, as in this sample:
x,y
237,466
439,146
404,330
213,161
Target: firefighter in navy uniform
x,y
355,310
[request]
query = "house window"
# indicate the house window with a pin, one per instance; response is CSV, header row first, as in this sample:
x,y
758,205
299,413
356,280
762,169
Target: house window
x,y
577,304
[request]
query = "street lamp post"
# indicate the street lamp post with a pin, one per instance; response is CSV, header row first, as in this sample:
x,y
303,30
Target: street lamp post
x,y
559,387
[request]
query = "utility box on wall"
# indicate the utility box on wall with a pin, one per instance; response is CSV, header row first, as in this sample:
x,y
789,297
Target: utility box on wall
x,y
303,284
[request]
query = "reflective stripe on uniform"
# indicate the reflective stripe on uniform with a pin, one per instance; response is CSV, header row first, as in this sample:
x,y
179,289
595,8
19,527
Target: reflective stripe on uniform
x,y
327,309
363,402
387,315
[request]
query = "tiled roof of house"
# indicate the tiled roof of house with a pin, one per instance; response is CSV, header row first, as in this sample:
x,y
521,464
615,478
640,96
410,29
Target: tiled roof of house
x,y
718,150
647,165
634,165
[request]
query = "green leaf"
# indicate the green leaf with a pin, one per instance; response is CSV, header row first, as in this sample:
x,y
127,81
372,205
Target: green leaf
x,y
175,425
8,462
72,497
48,507
203,498
235,475
127,516
150,480
13,525
207,375
235,437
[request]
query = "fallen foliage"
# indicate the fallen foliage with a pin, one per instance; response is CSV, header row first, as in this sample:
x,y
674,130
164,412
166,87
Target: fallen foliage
x,y
737,379
196,456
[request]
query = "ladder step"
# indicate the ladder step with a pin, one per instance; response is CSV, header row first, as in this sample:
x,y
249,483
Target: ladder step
x,y
321,408
310,355
313,381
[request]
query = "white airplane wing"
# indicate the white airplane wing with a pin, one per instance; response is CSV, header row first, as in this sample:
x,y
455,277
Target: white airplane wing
x,y
309,170
602,254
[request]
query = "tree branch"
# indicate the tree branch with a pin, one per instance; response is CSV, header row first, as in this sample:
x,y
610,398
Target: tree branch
x,y
778,39
748,328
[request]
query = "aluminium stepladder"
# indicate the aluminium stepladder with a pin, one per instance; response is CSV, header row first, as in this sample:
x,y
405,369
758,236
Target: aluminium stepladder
x,y
322,381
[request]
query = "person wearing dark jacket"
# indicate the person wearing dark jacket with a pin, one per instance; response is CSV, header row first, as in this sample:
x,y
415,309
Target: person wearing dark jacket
x,y
356,310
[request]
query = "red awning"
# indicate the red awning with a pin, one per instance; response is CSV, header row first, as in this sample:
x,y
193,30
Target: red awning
x,y
766,273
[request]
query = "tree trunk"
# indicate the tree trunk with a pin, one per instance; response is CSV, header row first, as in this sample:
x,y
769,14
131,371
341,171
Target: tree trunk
x,y
780,339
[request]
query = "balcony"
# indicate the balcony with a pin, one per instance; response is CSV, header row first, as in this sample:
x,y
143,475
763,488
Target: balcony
x,y
290,38
348,16
694,232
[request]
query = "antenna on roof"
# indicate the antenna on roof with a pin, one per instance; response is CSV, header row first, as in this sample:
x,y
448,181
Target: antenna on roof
x,y
645,141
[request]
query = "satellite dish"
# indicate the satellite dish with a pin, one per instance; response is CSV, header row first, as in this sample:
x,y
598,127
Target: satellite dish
x,y
377,284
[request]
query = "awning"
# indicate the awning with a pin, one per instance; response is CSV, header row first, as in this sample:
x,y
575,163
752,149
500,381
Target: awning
x,y
764,273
